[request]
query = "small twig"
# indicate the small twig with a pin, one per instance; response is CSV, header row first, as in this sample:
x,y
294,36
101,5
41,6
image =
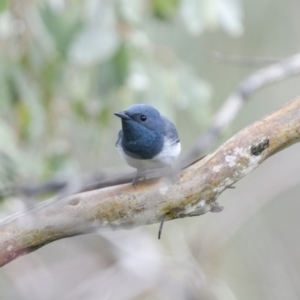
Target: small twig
x,y
160,229
243,61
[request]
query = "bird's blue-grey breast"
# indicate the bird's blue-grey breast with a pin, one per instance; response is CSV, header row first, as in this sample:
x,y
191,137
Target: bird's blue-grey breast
x,y
147,139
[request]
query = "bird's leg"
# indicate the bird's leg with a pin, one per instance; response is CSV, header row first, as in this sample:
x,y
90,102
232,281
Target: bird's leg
x,y
171,175
137,176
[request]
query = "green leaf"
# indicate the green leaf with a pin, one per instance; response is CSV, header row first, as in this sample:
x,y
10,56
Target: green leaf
x,y
164,9
24,119
3,5
120,62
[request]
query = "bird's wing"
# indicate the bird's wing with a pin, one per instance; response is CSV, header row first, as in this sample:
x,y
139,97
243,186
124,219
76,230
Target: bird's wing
x,y
170,131
120,135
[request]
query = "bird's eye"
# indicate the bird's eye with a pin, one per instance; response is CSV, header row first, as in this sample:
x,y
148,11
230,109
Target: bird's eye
x,y
143,118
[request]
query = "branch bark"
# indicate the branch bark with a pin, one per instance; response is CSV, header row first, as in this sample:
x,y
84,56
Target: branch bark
x,y
193,193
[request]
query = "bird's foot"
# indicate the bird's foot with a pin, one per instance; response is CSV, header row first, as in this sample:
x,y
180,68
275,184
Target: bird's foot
x,y
171,175
138,177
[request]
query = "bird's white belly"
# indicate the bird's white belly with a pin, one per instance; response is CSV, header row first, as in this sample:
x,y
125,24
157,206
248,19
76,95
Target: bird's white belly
x,y
165,158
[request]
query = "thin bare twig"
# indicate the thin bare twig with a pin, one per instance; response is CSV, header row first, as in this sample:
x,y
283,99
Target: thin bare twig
x,y
230,108
243,61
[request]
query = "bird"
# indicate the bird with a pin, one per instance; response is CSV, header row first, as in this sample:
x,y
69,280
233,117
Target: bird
x,y
147,139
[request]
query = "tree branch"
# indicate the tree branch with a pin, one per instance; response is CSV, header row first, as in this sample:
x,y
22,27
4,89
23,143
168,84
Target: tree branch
x,y
193,193
227,112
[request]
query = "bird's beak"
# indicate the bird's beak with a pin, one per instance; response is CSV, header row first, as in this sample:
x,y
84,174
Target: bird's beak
x,y
122,115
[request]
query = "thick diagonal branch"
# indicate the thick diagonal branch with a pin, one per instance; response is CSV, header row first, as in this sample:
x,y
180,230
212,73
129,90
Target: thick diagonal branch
x,y
193,193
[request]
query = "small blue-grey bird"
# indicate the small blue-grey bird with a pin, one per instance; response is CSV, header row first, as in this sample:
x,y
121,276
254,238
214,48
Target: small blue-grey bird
x,y
147,140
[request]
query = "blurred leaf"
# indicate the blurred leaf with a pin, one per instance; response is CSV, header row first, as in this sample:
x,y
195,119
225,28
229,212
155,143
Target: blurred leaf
x,y
54,164
192,15
121,63
79,83
93,44
3,5
132,11
5,93
108,76
164,9
62,26
230,15
8,168
211,14
105,115
10,157
79,110
24,119
29,94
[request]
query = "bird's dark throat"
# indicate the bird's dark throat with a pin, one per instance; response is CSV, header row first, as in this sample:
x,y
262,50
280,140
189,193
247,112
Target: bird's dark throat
x,y
140,142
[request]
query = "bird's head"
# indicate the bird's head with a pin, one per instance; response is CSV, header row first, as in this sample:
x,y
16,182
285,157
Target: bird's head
x,y
140,117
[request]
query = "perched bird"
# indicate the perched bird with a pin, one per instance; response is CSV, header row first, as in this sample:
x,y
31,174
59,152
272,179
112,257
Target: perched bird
x,y
147,140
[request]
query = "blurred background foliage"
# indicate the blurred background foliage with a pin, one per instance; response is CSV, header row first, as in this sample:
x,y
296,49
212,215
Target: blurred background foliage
x,y
66,66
